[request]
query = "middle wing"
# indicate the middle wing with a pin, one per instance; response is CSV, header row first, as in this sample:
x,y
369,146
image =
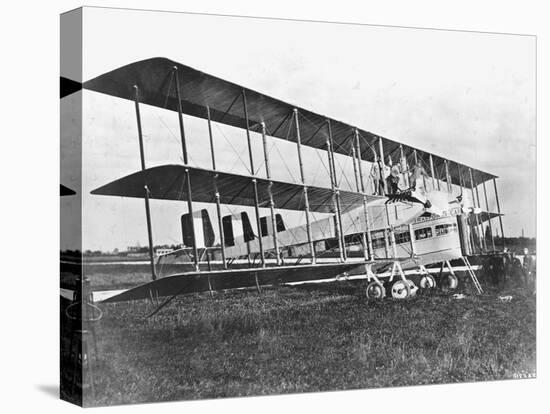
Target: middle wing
x,y
167,182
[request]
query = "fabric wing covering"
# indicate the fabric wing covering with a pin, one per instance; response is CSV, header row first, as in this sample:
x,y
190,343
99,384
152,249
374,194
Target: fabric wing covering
x,y
195,282
167,182
225,100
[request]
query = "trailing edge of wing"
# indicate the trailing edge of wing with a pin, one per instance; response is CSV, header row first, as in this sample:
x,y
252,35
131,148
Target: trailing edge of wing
x,y
167,182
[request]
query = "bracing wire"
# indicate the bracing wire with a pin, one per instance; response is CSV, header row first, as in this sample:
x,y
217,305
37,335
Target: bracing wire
x,y
282,158
233,148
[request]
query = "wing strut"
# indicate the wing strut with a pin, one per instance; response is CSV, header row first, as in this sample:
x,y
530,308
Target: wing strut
x,y
216,191
490,224
367,239
254,182
478,226
499,215
143,168
306,196
187,174
335,194
270,195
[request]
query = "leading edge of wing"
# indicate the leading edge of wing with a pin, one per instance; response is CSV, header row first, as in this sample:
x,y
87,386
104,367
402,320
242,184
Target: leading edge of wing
x,y
199,91
196,282
167,182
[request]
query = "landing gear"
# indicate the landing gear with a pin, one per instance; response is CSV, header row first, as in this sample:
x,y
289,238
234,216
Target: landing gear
x,y
449,281
427,282
400,289
375,290
452,281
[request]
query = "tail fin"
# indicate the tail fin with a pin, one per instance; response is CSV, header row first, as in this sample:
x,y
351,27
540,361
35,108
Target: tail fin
x,y
247,228
205,223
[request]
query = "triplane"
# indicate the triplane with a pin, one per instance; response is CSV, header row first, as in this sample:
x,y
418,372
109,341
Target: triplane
x,y
396,219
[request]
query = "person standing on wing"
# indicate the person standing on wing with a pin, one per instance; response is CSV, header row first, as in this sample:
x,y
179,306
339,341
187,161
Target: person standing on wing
x,y
417,178
392,181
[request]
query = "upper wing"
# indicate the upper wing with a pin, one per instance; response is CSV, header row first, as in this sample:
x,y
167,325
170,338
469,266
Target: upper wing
x,y
199,90
167,182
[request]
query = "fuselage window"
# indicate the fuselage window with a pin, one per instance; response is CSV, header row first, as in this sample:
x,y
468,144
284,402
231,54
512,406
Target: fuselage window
x,y
443,229
402,237
423,233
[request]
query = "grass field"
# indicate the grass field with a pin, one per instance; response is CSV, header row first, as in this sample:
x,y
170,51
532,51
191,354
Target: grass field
x,y
308,338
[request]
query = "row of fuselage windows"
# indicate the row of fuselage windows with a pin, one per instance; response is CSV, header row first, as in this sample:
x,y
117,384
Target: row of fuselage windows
x,y
404,236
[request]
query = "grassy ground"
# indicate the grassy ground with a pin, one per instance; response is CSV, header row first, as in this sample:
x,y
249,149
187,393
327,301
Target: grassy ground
x,y
301,339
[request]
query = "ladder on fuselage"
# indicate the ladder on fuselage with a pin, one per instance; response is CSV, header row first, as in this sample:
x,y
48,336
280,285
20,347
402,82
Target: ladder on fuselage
x,y
472,274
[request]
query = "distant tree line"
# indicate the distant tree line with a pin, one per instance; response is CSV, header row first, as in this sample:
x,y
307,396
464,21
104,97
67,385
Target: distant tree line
x,y
516,244
117,252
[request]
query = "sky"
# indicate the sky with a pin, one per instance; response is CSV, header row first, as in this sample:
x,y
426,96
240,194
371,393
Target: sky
x,y
462,95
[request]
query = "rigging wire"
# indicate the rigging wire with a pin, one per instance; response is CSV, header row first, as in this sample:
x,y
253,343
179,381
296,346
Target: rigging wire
x,y
282,158
233,148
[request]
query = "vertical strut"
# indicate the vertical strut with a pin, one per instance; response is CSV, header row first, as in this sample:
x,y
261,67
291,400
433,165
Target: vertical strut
x,y
448,178
403,165
411,236
481,224
303,178
498,211
366,236
462,185
254,182
258,225
432,172
382,166
335,195
211,137
250,157
220,225
216,192
358,188
393,243
479,230
386,242
187,173
490,223
270,193
147,209
415,163
415,158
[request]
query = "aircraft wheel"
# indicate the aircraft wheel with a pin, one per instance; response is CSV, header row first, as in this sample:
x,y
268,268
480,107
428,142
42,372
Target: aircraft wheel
x,y
375,290
427,282
452,281
400,289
